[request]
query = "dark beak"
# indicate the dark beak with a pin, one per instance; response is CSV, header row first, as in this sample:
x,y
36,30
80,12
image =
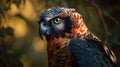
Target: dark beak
x,y
43,31
41,34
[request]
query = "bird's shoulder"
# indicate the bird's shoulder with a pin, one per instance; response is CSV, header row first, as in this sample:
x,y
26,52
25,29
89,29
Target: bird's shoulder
x,y
86,45
87,52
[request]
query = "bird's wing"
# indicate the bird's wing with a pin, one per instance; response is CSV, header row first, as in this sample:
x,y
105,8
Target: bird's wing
x,y
88,53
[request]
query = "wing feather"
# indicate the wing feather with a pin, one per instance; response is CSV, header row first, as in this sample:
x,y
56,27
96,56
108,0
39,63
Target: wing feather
x,y
88,53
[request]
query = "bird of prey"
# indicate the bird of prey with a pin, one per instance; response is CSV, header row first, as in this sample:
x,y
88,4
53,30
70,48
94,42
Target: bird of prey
x,y
70,43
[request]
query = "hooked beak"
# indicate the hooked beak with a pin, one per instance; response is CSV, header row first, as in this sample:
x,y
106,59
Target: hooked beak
x,y
41,35
44,32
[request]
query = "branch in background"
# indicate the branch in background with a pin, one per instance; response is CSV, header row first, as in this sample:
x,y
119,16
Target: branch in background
x,y
105,26
1,16
102,19
2,13
101,14
117,22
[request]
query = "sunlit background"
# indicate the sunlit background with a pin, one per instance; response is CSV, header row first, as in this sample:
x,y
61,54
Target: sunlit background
x,y
19,33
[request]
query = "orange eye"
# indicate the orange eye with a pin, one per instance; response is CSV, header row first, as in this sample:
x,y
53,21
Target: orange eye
x,y
56,20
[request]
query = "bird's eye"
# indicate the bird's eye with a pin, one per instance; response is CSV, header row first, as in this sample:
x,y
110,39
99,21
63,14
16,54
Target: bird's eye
x,y
56,20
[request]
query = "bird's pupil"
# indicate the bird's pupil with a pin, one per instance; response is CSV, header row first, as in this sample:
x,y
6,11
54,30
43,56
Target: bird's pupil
x,y
57,20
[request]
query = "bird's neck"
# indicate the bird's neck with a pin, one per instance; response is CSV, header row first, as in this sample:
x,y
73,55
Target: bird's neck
x,y
58,52
57,43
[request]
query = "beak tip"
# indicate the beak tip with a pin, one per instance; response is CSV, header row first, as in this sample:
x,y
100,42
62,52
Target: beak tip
x,y
41,36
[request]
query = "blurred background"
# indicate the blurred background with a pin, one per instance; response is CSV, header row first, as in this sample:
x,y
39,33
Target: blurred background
x,y
20,44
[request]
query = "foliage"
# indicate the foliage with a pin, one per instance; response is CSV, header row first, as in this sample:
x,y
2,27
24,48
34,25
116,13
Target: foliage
x,y
7,56
5,6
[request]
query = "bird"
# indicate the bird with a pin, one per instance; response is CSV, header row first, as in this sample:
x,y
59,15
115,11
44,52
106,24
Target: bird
x,y
69,41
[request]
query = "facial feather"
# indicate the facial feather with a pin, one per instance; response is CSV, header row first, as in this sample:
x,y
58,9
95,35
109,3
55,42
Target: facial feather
x,y
69,21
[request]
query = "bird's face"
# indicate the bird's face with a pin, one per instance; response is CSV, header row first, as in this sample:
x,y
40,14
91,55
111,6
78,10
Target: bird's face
x,y
52,24
52,27
56,22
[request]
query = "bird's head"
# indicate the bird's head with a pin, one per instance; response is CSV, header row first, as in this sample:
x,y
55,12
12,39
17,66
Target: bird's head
x,y
59,21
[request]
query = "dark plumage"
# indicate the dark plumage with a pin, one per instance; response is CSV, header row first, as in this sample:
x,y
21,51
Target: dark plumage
x,y
88,53
70,43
